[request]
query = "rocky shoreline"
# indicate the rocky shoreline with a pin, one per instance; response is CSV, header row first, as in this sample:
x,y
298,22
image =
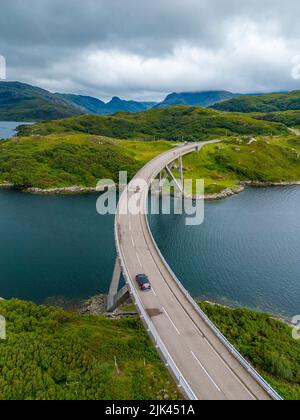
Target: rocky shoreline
x,y
97,306
7,185
226,193
65,190
269,184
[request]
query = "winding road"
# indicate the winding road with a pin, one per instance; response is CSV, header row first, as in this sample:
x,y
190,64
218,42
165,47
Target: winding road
x,y
209,369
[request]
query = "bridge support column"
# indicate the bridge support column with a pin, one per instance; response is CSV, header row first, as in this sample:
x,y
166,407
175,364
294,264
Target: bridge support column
x,y
162,180
167,172
178,184
115,296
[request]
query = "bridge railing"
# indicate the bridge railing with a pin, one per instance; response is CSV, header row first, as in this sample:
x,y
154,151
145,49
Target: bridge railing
x,y
170,364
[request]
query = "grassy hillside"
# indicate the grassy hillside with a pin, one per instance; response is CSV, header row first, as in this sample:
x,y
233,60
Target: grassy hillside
x,y
179,123
289,118
267,344
262,103
88,103
71,159
244,159
195,98
50,354
21,102
64,160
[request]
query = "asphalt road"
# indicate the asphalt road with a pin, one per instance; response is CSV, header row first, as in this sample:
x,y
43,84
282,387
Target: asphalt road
x,y
208,366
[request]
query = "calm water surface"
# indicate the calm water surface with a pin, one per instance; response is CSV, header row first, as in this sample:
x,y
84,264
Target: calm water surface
x,y
8,128
53,246
246,253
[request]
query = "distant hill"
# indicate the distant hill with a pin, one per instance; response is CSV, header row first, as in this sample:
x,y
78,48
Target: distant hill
x,y
117,105
204,99
96,106
289,118
177,123
262,103
22,102
88,103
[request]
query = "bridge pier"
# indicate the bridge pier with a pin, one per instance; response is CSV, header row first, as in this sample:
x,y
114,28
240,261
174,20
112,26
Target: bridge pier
x,y
168,169
115,296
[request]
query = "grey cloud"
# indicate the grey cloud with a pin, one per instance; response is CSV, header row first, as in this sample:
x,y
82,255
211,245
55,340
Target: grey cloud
x,y
191,44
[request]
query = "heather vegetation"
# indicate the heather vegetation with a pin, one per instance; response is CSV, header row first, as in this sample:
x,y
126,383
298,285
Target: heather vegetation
x,y
51,354
180,123
261,103
265,342
65,160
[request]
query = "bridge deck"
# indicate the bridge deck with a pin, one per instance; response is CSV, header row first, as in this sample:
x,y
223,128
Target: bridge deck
x,y
210,369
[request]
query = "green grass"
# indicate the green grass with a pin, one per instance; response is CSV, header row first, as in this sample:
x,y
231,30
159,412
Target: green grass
x,y
51,354
266,343
71,159
128,308
64,160
289,118
179,123
268,159
261,103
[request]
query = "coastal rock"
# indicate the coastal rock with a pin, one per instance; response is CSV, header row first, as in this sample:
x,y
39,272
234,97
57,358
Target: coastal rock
x,y
95,306
66,190
269,184
228,192
6,185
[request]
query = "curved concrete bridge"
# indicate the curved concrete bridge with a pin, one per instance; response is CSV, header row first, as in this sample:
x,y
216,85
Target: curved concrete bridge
x,y
202,361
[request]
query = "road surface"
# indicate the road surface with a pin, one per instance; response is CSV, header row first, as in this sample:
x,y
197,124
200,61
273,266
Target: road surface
x,y
208,366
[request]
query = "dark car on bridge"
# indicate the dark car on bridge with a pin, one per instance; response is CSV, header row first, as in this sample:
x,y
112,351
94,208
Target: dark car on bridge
x,y
143,282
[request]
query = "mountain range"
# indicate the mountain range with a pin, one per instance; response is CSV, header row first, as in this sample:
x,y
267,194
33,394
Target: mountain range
x,y
204,99
96,106
23,102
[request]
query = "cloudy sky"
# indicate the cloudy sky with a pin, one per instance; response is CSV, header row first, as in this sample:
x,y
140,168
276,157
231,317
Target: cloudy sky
x,y
144,49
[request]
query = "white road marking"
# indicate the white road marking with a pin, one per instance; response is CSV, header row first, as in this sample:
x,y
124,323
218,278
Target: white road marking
x,y
230,370
138,258
154,292
203,368
169,318
132,240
